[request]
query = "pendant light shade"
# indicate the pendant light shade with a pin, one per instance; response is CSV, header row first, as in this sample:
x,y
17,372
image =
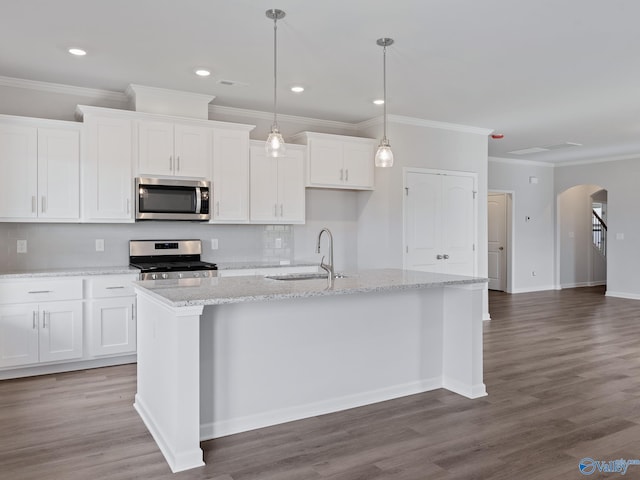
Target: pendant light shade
x,y
275,146
384,155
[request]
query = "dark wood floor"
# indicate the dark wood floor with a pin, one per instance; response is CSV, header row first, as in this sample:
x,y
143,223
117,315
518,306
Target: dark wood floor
x,y
562,369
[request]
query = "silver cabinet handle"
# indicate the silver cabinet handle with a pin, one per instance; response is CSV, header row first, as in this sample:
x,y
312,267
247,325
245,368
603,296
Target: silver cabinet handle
x,y
128,206
44,204
178,163
171,163
44,319
34,203
346,178
35,319
439,257
40,291
218,208
115,288
281,209
341,174
275,210
446,257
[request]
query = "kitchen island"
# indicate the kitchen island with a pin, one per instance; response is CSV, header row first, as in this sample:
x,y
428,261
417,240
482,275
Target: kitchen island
x,y
218,356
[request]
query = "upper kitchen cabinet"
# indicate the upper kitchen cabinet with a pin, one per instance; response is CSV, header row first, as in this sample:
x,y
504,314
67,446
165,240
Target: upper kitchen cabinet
x,y
336,161
40,164
173,149
107,166
277,186
230,176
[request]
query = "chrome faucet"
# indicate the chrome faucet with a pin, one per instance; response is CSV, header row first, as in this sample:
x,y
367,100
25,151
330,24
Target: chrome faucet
x,y
327,267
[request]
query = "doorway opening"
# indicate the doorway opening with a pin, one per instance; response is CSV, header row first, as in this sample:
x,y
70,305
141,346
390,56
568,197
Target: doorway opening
x,y
582,236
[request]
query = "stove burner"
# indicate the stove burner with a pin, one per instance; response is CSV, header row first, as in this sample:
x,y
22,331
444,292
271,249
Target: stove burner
x,y
181,261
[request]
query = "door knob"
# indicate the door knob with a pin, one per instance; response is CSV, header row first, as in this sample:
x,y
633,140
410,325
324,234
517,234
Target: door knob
x,y
439,257
500,248
445,256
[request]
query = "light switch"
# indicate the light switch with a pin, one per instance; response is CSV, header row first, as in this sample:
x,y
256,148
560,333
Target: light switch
x,y
22,246
99,245
214,244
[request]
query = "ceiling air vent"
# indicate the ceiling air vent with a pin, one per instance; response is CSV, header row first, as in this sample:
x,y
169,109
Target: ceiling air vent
x,y
231,83
546,148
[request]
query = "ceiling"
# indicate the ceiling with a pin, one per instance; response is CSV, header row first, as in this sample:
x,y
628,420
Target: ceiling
x,y
542,72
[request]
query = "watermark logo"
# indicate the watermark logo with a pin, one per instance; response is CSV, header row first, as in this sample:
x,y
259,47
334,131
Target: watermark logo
x,y
588,466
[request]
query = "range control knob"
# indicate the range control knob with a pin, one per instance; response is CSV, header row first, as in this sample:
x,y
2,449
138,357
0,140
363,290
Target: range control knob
x,y
153,276
196,274
205,274
180,275
165,275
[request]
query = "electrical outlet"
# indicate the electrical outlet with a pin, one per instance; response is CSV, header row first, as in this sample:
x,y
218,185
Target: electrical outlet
x,y
214,244
99,245
533,273
278,243
21,246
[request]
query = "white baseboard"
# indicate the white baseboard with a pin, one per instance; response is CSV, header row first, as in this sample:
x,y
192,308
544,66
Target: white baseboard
x,y
541,288
630,296
473,391
582,284
19,372
214,429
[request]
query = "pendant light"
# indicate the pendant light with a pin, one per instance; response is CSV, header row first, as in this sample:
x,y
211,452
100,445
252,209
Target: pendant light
x,y
384,155
275,146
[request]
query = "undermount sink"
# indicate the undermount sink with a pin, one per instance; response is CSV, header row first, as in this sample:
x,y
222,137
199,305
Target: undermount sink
x,y
303,276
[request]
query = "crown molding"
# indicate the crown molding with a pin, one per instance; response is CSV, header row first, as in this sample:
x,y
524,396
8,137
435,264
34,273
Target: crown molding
x,y
616,158
93,93
420,122
257,114
520,161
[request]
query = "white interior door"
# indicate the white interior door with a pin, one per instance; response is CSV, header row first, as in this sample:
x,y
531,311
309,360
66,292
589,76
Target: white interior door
x,y
458,224
422,223
497,241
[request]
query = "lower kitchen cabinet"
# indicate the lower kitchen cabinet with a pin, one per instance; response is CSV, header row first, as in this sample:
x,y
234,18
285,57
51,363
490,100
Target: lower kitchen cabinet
x,y
113,326
111,315
47,332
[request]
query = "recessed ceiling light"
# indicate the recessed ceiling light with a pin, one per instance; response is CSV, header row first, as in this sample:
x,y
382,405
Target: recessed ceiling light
x,y
201,72
77,52
378,101
297,89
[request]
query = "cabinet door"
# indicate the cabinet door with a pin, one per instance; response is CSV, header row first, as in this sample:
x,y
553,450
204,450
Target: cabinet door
x,y
325,162
358,164
230,176
192,151
264,186
18,335
291,193
113,326
155,148
59,173
19,167
60,331
108,170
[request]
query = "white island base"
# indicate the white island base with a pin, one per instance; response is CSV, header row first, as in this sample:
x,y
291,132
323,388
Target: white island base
x,y
206,371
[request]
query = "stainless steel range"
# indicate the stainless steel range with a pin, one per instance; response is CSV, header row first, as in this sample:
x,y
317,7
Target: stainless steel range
x,y
165,259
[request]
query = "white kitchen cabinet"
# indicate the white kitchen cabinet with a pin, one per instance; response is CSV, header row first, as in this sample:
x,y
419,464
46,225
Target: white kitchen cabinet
x,y
230,179
40,164
107,168
336,161
48,329
277,186
173,149
111,315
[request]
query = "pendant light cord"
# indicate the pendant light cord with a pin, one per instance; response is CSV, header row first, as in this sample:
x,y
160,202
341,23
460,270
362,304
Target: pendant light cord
x,y
384,92
275,74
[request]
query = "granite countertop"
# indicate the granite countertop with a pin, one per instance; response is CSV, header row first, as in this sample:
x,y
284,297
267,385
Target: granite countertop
x,y
224,290
70,272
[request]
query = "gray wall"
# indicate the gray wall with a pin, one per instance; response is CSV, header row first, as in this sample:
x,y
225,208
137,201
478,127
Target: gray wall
x,y
533,240
621,180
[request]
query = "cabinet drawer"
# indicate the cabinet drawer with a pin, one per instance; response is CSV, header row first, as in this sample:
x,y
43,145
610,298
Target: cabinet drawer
x,y
111,286
40,290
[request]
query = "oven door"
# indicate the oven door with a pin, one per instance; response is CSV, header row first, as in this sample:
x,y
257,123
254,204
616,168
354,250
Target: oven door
x,y
164,199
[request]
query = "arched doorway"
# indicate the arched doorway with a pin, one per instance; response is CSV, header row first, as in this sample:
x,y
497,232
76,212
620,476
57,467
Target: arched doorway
x,y
582,236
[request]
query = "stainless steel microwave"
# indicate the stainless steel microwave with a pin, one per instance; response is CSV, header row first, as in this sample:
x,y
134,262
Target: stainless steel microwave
x,y
169,199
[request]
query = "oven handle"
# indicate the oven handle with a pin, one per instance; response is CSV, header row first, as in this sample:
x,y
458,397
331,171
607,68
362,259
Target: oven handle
x,y
198,200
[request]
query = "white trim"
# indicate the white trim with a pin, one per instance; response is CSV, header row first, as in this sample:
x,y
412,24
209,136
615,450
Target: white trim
x,y
617,158
564,286
520,161
222,428
31,371
64,89
256,114
419,122
631,296
133,90
542,288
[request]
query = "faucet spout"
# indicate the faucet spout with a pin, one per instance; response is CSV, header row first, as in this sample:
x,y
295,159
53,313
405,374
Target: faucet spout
x,y
328,267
